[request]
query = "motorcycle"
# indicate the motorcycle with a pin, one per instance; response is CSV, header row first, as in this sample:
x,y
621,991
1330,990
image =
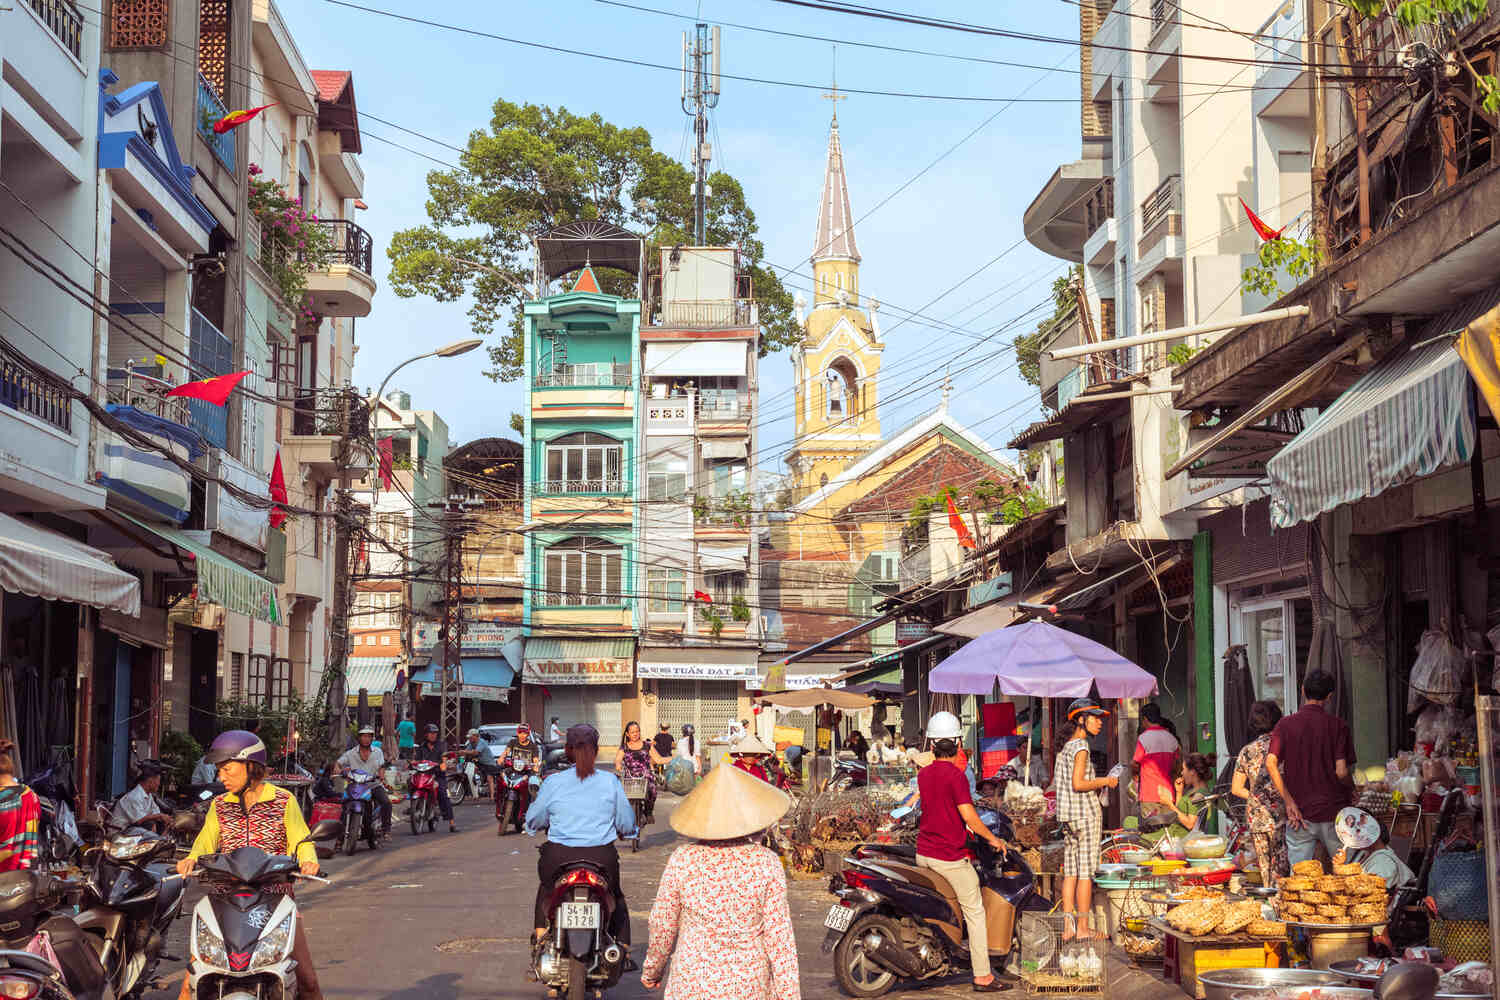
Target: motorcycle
x,y
57,833
32,902
422,808
464,780
895,921
848,774
244,927
578,955
131,896
358,819
635,791
514,790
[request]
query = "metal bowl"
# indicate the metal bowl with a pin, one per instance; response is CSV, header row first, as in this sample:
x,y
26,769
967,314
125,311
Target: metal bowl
x,y
1305,993
1223,984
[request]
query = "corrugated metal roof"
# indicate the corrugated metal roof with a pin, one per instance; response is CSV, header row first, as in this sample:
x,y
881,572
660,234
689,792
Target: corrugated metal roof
x,y
579,649
376,674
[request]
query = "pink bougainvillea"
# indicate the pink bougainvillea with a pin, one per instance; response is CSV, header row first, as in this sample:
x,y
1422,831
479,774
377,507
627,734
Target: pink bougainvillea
x,y
291,245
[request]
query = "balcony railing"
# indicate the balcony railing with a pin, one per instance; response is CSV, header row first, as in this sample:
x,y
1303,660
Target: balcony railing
x,y
600,485
1161,214
147,393
563,599
1163,12
1100,206
709,314
24,390
330,412
722,406
212,354
210,109
1278,44
596,375
64,21
352,245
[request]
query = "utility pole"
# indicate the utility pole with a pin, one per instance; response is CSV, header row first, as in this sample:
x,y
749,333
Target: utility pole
x,y
354,420
450,633
700,92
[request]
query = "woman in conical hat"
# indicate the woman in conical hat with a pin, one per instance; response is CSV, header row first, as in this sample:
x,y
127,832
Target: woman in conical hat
x,y
721,913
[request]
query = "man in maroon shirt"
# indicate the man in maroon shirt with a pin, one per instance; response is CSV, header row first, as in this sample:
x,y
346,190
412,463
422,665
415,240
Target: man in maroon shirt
x,y
948,816
1309,762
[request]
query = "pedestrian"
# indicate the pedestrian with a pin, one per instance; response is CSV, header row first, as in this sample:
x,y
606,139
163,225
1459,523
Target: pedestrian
x,y
1264,813
554,732
687,749
1079,810
20,815
751,756
1310,760
434,749
721,914
1157,754
948,818
406,737
664,743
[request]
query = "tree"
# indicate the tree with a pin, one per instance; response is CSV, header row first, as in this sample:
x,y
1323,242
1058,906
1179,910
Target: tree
x,y
536,168
517,423
1028,346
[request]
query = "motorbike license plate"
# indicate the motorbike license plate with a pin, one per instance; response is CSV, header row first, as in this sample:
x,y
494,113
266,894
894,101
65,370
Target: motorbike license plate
x,y
578,916
839,918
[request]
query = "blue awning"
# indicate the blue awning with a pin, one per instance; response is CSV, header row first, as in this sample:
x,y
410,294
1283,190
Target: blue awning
x,y
478,671
1408,417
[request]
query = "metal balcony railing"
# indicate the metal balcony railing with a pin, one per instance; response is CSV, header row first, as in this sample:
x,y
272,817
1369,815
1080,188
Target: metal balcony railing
x,y
64,21
335,412
1165,201
147,393
211,354
210,109
596,375
708,314
564,599
352,245
47,400
722,406
1163,12
599,485
1100,206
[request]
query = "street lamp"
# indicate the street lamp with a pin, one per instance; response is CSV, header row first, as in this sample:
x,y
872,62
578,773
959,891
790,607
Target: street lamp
x,y
452,350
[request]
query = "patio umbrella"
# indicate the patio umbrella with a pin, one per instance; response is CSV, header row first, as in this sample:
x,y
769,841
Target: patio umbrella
x,y
846,701
1042,661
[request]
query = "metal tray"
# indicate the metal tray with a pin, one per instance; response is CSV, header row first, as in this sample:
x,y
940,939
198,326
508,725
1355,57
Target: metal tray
x,y
1346,968
1335,927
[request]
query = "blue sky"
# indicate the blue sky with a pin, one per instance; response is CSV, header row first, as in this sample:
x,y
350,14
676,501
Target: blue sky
x,y
928,238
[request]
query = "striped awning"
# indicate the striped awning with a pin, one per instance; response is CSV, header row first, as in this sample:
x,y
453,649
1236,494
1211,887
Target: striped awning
x,y
221,580
1408,417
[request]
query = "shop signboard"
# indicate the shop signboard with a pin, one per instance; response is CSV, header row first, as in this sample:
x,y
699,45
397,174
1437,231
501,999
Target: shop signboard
x,y
982,593
697,671
594,670
479,638
910,632
484,692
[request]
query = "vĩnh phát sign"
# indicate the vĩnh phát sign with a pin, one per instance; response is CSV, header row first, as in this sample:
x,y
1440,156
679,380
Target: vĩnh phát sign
x,y
595,670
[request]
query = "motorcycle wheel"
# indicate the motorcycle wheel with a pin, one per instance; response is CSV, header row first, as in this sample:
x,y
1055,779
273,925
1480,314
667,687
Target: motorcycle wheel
x,y
351,838
418,808
858,974
842,783
640,818
457,791
578,984
506,814
372,831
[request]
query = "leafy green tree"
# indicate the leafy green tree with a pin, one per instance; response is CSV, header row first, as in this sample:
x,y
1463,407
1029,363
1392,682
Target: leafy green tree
x,y
536,168
1028,346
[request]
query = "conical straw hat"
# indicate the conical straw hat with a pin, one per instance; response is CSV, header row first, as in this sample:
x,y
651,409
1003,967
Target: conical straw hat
x,y
729,803
750,745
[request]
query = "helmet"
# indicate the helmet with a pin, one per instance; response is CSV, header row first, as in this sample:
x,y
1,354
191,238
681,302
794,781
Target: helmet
x,y
523,728
943,726
236,744
432,727
472,732
687,730
366,730
1082,707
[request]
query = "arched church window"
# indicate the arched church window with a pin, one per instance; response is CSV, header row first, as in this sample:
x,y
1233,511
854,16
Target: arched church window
x,y
842,390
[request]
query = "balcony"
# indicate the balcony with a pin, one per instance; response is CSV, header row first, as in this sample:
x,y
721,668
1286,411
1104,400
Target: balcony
x,y
597,375
720,406
565,487
670,415
324,423
1161,218
345,287
210,110
709,314
563,599
23,390
211,354
1099,208
64,21
146,393
1282,86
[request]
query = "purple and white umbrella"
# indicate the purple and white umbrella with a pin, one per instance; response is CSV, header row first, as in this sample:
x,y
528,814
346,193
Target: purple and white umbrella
x,y
1041,661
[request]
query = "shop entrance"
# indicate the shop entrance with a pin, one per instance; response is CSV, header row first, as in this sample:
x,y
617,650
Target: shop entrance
x,y
708,706
41,668
203,685
1276,632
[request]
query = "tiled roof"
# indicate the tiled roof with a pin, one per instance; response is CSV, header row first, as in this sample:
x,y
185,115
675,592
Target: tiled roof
x,y
330,83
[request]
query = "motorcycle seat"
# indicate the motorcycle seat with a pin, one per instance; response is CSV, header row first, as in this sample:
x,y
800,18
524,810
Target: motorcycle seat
x,y
927,878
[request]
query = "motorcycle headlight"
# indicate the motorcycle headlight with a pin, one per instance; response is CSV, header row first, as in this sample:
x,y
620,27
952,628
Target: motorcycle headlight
x,y
126,848
274,945
208,947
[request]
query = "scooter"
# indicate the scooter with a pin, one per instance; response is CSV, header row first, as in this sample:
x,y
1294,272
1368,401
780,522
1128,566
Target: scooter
x,y
515,789
464,780
578,955
243,929
32,902
359,819
422,807
895,921
131,896
848,774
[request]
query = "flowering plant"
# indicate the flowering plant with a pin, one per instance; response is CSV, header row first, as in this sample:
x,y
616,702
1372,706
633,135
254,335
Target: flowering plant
x,y
291,241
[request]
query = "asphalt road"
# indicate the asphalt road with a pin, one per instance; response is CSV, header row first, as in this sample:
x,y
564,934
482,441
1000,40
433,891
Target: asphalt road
x,y
445,916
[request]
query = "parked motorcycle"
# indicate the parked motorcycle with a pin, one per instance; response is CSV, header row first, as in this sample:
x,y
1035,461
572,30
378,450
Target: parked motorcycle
x,y
58,835
578,955
848,774
359,819
515,789
895,921
243,929
32,902
464,780
422,795
131,896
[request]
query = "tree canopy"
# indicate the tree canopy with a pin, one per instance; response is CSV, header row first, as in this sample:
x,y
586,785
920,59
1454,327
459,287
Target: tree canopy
x,y
1028,346
536,168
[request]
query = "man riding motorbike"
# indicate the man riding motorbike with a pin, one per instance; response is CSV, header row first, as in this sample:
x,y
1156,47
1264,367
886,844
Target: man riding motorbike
x,y
583,811
370,759
254,813
485,764
431,748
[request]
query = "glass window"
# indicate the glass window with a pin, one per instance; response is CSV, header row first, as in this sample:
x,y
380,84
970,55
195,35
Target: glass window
x,y
667,588
666,478
584,463
726,476
725,587
584,572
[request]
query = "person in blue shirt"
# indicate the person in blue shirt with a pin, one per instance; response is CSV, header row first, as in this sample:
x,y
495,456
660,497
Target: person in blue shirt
x,y
583,811
406,738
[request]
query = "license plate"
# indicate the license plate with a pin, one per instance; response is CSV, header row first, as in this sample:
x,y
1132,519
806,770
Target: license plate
x,y
578,916
839,918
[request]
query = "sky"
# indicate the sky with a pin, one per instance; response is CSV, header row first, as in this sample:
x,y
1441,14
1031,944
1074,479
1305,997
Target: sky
x,y
921,249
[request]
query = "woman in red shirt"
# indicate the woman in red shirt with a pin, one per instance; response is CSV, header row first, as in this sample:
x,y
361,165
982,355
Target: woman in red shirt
x,y
20,815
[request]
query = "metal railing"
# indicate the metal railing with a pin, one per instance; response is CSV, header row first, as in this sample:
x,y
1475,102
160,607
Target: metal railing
x,y
210,109
211,354
596,375
64,21
335,412
598,485
1278,44
147,393
1163,12
1165,201
352,245
1100,206
708,314
25,390
563,599
723,406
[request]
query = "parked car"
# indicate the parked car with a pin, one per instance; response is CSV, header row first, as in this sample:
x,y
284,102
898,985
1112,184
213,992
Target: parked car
x,y
498,735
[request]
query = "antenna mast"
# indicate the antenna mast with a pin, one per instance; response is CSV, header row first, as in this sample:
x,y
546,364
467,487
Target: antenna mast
x,y
700,92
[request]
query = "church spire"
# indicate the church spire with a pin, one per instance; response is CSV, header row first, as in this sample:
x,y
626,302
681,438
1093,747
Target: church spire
x,y
835,238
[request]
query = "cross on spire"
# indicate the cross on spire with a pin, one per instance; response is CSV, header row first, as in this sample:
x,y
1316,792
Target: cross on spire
x,y
832,94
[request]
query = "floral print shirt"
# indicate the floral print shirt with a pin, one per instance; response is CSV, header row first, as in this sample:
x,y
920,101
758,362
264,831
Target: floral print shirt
x,y
721,915
1264,808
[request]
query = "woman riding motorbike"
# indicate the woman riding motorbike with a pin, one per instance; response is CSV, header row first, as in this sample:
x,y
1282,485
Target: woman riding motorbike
x,y
583,811
635,758
253,813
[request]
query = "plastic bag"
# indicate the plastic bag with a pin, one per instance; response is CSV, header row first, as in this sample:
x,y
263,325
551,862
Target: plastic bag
x,y
679,775
1437,725
1438,674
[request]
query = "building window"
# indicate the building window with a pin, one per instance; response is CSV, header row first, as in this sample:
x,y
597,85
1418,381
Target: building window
x,y
584,572
385,640
584,463
280,684
667,588
726,476
666,478
305,176
725,587
236,674
255,690
213,44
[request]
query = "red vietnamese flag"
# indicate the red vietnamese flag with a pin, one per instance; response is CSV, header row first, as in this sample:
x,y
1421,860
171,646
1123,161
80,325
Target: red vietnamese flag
x,y
956,522
386,447
699,595
235,119
1262,230
278,492
210,390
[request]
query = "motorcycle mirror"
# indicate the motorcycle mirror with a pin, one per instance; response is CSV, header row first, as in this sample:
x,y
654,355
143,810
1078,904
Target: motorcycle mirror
x,y
325,829
205,795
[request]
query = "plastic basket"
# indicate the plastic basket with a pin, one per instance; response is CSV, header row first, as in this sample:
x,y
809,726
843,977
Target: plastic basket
x,y
635,788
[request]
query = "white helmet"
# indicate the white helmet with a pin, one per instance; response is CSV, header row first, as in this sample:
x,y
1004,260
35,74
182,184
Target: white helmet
x,y
943,726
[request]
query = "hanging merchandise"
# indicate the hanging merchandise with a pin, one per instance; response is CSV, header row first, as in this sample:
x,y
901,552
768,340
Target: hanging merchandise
x,y
1438,674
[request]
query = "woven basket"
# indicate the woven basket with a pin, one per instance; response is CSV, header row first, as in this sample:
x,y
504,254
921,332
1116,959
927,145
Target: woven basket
x,y
1457,885
1461,940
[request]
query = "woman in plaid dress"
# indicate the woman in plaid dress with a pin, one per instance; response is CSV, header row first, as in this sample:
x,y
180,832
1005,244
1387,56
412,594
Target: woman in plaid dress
x,y
1082,816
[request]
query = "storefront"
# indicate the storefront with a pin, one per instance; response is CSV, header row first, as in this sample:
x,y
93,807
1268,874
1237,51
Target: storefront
x,y
704,688
585,680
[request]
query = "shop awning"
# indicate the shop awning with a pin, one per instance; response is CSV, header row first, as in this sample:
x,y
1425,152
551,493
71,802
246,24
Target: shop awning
x,y
722,357
579,661
734,448
1008,610
699,664
723,557
221,580
376,675
1408,417
42,563
484,671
